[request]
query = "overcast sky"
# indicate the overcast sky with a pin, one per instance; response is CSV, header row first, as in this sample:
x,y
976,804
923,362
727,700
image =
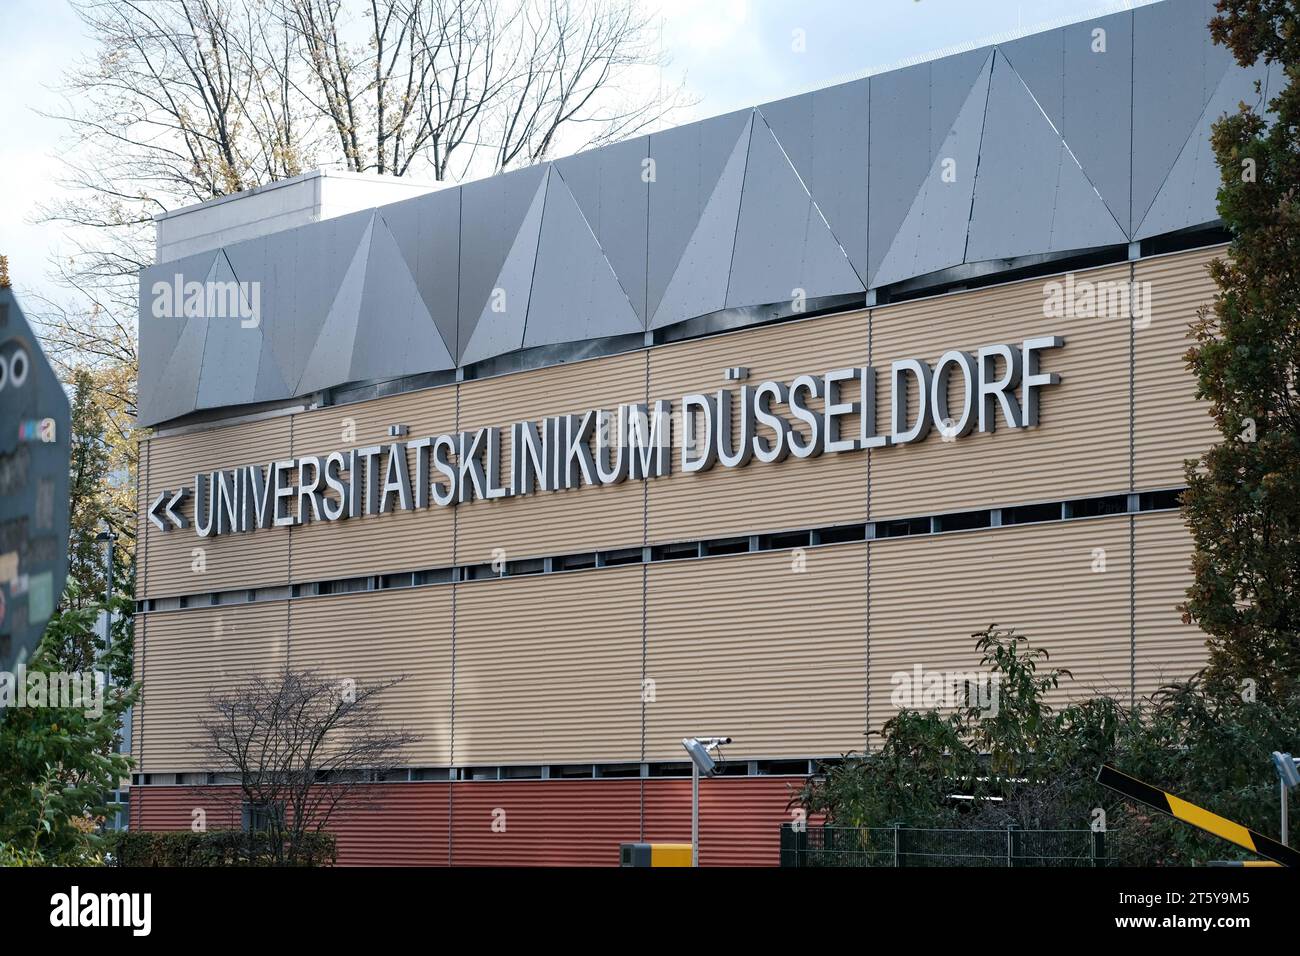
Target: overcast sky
x,y
732,54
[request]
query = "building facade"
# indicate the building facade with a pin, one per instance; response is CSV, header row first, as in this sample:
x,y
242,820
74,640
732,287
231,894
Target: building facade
x,y
725,430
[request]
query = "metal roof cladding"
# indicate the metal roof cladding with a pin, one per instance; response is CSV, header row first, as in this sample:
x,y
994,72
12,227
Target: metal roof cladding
x,y
1089,136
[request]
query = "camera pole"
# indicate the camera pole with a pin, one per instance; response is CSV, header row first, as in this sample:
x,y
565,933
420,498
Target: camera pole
x,y
695,814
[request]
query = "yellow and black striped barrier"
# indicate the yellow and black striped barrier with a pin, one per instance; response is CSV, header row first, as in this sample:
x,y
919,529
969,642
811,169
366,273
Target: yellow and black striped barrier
x,y
1198,817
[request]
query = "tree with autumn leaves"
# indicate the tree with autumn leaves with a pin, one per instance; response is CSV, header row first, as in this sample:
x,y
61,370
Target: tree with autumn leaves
x,y
1243,496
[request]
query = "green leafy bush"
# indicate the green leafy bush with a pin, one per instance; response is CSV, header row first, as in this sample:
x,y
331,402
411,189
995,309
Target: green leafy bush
x,y
1033,766
58,765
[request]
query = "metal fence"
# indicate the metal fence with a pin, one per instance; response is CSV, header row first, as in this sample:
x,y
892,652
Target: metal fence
x,y
914,846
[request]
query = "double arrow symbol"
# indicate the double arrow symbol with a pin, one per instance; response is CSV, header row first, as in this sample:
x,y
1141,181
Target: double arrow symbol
x,y
166,503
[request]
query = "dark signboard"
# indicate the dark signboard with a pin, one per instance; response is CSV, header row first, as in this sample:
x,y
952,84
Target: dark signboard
x,y
35,422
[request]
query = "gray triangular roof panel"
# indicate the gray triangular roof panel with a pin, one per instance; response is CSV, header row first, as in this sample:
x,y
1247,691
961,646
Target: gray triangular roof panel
x,y
899,156
159,333
1031,196
300,271
178,386
1188,195
1098,122
575,294
609,187
1040,60
500,325
271,381
699,285
427,232
825,135
933,236
912,112
783,243
330,361
492,214
1176,69
791,122
1080,217
688,162
233,348
951,78
395,334
1080,79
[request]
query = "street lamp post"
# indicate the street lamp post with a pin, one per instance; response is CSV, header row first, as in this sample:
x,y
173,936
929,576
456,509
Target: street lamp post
x,y
695,815
107,537
1288,778
698,748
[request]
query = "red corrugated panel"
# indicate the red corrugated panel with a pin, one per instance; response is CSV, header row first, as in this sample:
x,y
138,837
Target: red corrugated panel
x,y
404,825
173,808
740,817
401,824
547,822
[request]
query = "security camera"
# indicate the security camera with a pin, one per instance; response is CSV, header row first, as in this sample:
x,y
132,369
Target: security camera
x,y
699,756
698,748
1285,766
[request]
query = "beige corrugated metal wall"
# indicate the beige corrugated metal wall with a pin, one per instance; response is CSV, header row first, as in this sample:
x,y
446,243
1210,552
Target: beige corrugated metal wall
x,y
190,653
373,544
794,494
179,561
1167,649
769,648
548,668
141,641
1084,418
140,625
142,516
930,594
577,519
382,636
1168,423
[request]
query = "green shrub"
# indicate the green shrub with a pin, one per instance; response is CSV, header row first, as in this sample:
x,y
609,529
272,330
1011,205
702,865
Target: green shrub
x,y
1034,766
212,848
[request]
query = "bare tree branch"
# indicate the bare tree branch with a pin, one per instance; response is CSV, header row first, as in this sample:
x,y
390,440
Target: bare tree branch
x,y
304,748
